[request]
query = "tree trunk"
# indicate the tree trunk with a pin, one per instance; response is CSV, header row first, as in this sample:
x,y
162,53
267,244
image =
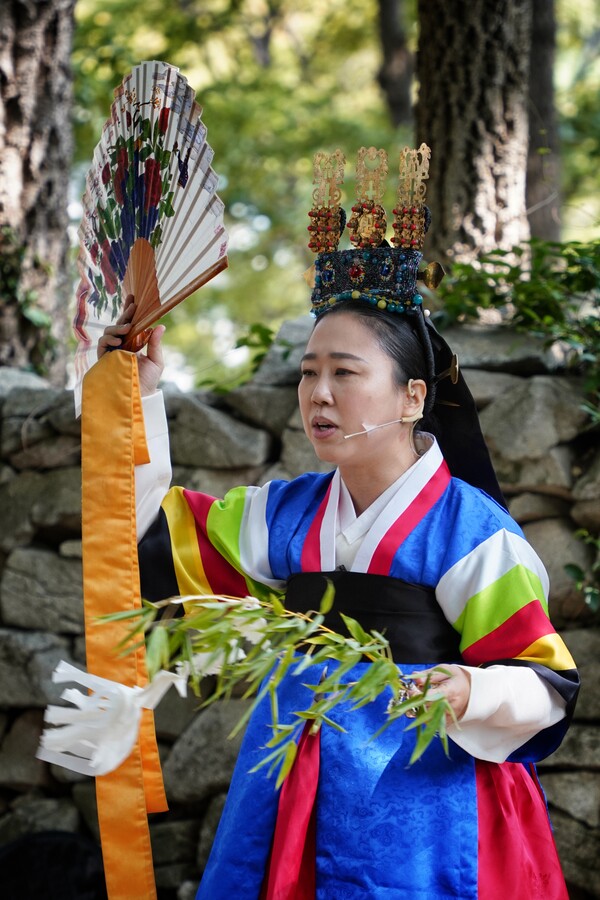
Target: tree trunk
x,y
35,154
543,163
472,69
396,72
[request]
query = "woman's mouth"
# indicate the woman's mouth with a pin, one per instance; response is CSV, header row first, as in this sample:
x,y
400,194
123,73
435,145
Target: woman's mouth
x,y
322,428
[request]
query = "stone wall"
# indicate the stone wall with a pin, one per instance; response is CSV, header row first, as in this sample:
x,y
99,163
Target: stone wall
x,y
549,466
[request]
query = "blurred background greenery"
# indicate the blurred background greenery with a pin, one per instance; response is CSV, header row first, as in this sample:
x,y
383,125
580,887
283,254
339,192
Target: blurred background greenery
x,y
279,79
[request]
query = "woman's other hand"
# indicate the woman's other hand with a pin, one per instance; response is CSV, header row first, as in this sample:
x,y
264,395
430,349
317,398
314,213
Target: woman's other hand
x,y
151,363
451,681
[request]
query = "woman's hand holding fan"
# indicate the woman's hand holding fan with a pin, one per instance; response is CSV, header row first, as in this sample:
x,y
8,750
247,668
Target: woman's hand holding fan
x,y
150,364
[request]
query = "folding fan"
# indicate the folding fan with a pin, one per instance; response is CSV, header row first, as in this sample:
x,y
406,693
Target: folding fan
x,y
152,222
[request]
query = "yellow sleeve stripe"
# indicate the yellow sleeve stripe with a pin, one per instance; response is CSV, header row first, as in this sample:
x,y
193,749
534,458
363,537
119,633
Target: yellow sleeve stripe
x,y
549,651
187,561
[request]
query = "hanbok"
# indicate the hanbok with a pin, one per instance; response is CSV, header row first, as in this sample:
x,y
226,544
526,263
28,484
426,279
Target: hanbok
x,y
471,825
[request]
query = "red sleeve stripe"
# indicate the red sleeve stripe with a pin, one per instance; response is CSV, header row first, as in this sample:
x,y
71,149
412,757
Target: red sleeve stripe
x,y
509,640
220,574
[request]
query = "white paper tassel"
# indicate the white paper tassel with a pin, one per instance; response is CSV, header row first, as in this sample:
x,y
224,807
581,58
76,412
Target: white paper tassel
x,y
97,733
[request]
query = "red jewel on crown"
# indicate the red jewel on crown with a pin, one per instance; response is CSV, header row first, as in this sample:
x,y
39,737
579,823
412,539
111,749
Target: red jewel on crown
x,y
356,273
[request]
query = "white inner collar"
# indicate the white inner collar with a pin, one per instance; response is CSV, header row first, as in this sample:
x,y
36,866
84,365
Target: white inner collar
x,y
352,527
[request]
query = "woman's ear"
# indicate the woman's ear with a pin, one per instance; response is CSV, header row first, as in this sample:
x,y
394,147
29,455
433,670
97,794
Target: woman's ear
x,y
416,391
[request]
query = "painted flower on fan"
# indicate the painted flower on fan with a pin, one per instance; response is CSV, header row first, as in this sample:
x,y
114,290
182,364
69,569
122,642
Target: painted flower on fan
x,y
120,184
147,224
122,158
128,224
163,119
119,255
152,183
183,166
106,174
110,278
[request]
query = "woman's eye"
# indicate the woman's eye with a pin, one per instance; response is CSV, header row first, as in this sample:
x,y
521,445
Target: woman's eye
x,y
343,372
306,373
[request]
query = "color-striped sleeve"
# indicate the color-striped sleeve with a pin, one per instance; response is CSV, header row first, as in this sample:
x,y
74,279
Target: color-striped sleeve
x,y
496,597
200,545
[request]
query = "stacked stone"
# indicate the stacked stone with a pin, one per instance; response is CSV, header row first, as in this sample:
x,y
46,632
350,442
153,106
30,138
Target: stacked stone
x,y
549,467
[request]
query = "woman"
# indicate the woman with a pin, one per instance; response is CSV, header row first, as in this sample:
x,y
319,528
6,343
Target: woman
x,y
412,549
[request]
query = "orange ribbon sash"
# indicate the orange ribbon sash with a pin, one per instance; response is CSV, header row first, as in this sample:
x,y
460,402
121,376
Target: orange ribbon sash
x,y
113,443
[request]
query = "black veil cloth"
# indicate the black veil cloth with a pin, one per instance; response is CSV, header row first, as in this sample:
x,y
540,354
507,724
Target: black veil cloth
x,y
455,423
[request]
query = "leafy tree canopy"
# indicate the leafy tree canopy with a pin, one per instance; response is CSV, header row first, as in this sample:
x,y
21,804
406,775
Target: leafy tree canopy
x,y
278,80
577,82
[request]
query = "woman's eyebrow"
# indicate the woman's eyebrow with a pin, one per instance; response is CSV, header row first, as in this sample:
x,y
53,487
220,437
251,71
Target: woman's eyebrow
x,y
334,355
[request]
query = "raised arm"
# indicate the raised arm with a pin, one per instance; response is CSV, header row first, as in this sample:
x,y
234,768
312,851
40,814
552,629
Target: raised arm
x,y
151,363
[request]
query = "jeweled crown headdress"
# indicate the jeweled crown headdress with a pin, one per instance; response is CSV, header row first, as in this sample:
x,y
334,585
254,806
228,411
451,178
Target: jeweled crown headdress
x,y
385,276
373,271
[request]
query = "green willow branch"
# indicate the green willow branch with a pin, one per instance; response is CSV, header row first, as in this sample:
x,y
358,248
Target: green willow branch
x,y
253,644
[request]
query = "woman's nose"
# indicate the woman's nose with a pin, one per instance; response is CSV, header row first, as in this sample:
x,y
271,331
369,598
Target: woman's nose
x,y
321,392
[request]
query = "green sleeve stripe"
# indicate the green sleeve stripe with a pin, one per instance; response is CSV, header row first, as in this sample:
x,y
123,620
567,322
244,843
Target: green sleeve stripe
x,y
495,604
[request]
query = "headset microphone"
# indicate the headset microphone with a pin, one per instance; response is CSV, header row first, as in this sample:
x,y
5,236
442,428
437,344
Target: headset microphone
x,y
369,428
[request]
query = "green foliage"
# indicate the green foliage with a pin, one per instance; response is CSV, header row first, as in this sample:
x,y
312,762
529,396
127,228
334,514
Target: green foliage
x,y
549,289
12,262
253,644
587,582
259,338
577,78
552,290
277,81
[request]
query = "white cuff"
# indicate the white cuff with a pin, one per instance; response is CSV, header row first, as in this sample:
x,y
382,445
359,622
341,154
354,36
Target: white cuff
x,y
155,415
153,479
508,705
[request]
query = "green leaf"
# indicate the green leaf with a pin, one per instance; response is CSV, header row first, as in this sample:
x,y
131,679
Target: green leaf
x,y
166,204
156,238
278,607
288,761
574,571
282,733
274,704
157,651
356,630
36,316
327,598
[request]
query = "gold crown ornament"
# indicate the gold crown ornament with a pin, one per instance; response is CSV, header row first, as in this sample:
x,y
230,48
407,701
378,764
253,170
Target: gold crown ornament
x,y
327,217
368,222
374,271
410,215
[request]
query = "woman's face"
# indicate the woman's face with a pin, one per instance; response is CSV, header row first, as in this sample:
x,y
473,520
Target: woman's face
x,y
348,383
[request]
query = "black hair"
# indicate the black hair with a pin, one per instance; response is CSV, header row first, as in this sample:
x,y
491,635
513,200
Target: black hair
x,y
419,351
403,338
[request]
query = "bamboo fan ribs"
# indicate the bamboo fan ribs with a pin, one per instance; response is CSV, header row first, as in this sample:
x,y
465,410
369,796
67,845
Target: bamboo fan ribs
x,y
152,221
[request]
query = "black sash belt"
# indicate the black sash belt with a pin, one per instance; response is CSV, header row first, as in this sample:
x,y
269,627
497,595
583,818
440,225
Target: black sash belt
x,y
407,614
